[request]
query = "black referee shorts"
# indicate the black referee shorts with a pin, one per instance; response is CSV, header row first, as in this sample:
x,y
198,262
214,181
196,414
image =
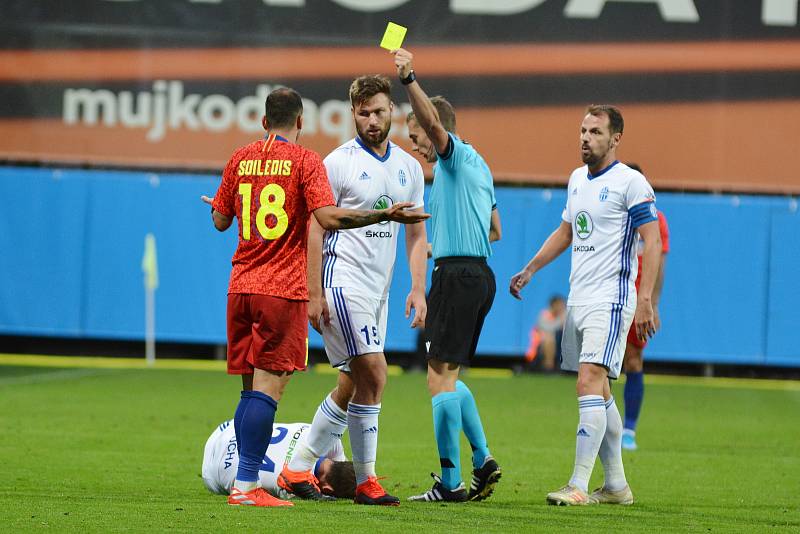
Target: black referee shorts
x,y
462,292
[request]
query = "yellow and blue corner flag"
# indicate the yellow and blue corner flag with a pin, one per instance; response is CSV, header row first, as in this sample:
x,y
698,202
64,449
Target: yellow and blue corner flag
x,y
150,262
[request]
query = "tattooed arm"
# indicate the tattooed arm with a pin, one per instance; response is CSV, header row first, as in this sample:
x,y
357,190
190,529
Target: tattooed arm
x,y
335,218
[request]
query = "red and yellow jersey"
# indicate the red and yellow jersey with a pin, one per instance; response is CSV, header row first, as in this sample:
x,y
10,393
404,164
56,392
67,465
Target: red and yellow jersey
x,y
272,186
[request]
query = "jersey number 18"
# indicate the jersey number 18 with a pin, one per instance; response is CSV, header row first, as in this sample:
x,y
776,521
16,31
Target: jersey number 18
x,y
271,201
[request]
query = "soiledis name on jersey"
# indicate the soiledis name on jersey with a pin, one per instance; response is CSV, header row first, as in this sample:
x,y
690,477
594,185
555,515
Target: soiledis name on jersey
x,y
268,167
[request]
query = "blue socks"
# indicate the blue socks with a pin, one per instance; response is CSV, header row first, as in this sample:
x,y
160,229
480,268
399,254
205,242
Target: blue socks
x,y
473,428
237,417
447,429
254,433
634,394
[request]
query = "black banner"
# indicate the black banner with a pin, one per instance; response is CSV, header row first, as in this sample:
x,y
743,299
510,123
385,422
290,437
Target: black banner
x,y
56,24
180,83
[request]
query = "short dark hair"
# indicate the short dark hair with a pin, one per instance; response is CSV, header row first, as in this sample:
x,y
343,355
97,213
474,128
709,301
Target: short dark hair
x,y
635,167
556,298
282,107
342,479
365,87
615,122
447,115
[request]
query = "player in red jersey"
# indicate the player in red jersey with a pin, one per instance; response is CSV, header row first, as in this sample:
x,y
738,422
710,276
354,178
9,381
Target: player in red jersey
x,y
272,186
632,362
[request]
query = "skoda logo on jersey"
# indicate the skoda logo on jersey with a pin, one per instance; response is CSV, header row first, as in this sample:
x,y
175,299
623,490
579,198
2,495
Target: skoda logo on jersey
x,y
583,224
603,194
383,202
402,177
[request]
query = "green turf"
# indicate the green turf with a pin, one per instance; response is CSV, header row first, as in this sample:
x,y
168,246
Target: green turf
x,y
120,450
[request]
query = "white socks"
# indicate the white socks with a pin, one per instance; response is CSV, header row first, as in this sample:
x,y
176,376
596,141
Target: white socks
x,y
591,429
362,421
611,449
245,487
329,424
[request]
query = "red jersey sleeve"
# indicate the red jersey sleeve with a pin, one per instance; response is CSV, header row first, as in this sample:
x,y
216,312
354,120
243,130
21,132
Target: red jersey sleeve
x,y
225,199
664,229
316,188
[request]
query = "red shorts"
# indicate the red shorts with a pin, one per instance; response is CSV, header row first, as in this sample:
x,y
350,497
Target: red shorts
x,y
266,332
633,339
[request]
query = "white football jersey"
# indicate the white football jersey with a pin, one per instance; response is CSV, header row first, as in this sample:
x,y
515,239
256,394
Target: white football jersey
x,y
221,458
605,210
363,258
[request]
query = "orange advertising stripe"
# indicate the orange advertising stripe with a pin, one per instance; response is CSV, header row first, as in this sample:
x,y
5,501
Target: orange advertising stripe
x,y
692,146
329,62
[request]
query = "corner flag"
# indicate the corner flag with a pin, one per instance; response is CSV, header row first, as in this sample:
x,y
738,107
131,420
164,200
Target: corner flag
x,y
150,262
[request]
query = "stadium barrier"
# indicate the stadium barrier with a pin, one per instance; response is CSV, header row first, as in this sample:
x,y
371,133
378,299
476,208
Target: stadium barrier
x,y
73,240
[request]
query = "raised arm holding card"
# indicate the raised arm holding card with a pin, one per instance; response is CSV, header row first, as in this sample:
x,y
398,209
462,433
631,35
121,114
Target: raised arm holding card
x,y
424,110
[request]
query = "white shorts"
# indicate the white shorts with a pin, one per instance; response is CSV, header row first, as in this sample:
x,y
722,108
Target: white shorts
x,y
358,325
596,334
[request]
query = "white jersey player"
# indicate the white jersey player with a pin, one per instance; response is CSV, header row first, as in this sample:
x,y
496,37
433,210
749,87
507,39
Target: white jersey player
x,y
604,211
349,274
221,458
358,264
608,204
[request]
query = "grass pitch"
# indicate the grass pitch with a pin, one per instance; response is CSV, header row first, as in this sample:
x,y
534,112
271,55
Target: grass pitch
x,y
106,448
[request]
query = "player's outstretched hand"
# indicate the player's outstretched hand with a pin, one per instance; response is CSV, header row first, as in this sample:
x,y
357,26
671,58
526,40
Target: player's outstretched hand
x,y
207,200
399,213
416,301
318,313
402,60
518,281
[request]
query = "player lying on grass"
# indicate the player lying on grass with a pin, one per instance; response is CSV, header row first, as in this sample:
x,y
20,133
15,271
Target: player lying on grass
x,y
332,472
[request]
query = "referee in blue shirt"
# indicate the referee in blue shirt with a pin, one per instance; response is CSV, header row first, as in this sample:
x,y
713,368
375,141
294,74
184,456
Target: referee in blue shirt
x,y
464,221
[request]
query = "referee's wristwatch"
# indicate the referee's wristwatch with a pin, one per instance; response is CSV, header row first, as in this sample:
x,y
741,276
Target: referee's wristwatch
x,y
409,79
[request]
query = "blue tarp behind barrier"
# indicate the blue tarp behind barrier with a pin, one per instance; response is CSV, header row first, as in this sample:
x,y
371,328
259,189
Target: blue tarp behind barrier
x,y
71,245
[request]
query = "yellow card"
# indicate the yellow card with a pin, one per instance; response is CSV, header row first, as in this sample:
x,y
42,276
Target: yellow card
x,y
393,37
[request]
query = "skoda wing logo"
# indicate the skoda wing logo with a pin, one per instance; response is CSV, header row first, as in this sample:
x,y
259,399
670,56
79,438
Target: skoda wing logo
x,y
583,225
383,202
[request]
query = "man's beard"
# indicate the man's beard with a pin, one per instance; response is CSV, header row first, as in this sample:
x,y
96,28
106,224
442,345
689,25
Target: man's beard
x,y
590,158
375,141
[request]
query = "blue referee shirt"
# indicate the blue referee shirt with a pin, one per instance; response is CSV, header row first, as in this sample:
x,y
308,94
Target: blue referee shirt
x,y
461,202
